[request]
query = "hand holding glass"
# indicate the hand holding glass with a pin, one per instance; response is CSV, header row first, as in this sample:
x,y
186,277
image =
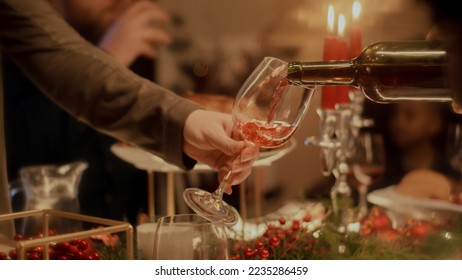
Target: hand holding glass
x,y
266,112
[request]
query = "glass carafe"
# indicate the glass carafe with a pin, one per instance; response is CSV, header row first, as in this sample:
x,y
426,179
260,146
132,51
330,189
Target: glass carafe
x,y
49,187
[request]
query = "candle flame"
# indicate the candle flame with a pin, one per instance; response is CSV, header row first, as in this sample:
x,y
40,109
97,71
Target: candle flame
x,y
356,9
330,19
341,25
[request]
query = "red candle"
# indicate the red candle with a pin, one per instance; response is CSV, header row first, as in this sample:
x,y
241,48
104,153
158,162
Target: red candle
x,y
329,93
342,54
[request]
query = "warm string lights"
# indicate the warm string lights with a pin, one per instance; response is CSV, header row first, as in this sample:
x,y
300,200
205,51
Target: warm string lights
x,y
336,47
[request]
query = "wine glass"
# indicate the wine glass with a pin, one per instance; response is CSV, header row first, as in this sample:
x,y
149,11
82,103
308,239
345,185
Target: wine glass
x,y
266,112
454,153
367,165
190,237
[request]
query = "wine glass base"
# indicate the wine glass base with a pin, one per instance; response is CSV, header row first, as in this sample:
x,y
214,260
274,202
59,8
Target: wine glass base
x,y
205,205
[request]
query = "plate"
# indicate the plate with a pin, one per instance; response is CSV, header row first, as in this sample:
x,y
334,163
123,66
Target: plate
x,y
402,206
147,161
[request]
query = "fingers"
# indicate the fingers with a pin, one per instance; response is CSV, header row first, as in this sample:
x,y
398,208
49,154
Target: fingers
x,y
456,108
235,179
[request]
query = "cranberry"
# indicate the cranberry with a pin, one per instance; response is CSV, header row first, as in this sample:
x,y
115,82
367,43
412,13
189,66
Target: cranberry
x,y
82,245
74,242
13,254
282,220
3,256
263,253
63,247
18,237
274,241
296,227
259,245
96,256
249,252
34,256
279,233
307,218
37,249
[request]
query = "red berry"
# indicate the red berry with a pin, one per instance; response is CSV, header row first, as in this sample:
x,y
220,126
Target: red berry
x,y
52,232
96,256
74,242
249,252
289,232
34,256
259,245
13,254
63,257
307,218
380,222
296,227
279,233
282,220
274,241
18,237
263,253
3,256
79,256
63,247
82,245
421,229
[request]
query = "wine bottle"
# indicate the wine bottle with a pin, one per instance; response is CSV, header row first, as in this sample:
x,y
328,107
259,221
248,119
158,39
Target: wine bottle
x,y
385,72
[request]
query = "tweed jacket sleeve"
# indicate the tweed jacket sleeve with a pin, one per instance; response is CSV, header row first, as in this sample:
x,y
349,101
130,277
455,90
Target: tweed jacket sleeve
x,y
89,84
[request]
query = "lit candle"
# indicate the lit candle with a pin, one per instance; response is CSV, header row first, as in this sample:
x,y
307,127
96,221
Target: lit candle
x,y
342,54
355,32
329,93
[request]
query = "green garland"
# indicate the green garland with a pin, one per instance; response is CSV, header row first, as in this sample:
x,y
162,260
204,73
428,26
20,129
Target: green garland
x,y
417,240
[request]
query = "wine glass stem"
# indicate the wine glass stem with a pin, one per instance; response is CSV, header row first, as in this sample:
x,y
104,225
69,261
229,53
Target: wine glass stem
x,y
218,194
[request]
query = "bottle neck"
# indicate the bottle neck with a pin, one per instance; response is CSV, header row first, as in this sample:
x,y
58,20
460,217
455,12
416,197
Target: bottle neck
x,y
341,72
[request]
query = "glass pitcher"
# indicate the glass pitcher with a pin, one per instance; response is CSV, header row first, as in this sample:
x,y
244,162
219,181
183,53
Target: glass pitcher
x,y
48,187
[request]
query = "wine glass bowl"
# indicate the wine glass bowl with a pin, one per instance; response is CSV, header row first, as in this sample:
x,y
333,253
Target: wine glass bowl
x,y
454,145
266,112
368,164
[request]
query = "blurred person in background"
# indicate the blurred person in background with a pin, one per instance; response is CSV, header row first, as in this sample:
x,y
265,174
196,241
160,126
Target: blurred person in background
x,y
447,19
415,135
40,132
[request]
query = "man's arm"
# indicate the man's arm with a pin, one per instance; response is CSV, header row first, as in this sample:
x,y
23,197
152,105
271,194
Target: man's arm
x,y
89,84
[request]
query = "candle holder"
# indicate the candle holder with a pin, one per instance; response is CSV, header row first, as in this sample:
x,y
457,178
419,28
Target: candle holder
x,y
339,129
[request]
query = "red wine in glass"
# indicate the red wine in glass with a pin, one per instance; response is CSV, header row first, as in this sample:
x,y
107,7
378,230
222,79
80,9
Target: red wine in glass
x,y
266,136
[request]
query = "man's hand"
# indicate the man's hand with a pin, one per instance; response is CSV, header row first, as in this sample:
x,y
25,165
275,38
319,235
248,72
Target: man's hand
x,y
210,138
137,32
